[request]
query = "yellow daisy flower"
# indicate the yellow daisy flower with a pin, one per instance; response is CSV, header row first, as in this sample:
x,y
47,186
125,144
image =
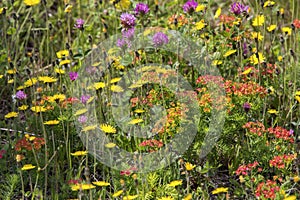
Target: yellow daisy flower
x,y
11,115
23,107
47,79
200,25
175,183
166,198
121,4
64,62
116,88
258,21
106,128
110,145
82,187
273,111
286,30
135,121
101,183
68,8
30,82
99,85
129,197
38,109
115,80
269,3
28,167
200,8
79,153
189,166
118,193
89,128
188,197
80,112
257,35
51,122
31,2
228,53
59,71
62,53
220,190
271,27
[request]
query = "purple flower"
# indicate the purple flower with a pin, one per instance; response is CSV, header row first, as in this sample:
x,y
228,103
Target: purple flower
x,y
190,6
127,20
238,8
141,9
245,48
247,107
82,119
73,76
291,131
84,98
128,33
79,23
159,39
21,95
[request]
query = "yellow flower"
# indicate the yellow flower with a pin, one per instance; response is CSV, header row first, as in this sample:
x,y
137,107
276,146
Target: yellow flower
x,y
279,58
271,27
99,85
90,100
31,2
101,183
108,128
257,35
1,10
200,8
62,53
59,71
296,179
189,166
281,11
30,82
1,76
89,128
269,3
11,115
166,198
135,121
292,197
175,183
129,197
55,97
118,193
139,111
273,111
27,167
11,71
219,190
29,138
110,145
116,88
10,81
297,98
242,180
79,153
254,60
188,197
228,53
68,9
64,62
38,109
200,25
259,20
82,187
218,13
247,71
47,79
114,80
80,112
286,30
51,122
217,62
121,4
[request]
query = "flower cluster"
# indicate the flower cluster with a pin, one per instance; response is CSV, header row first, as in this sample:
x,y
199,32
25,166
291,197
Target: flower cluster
x,y
267,189
282,161
245,169
256,128
28,143
282,133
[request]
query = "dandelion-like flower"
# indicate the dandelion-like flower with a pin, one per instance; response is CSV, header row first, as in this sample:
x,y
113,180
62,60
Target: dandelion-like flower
x,y
141,9
238,8
108,128
160,39
21,95
190,6
127,20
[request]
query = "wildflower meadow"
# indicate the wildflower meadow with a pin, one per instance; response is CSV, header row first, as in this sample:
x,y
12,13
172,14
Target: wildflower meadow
x,y
150,100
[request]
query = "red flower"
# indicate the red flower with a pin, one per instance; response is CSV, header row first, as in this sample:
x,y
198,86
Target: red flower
x,y
296,23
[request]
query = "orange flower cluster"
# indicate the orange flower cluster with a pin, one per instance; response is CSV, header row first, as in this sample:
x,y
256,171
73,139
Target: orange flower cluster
x,y
267,189
256,128
24,143
281,133
280,162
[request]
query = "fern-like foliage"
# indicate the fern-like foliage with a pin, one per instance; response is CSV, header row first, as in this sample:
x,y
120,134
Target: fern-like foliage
x,y
8,186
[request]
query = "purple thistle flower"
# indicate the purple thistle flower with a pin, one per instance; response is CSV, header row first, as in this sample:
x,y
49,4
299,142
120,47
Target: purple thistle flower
x,y
159,39
21,95
82,119
73,76
247,107
84,98
238,8
190,6
79,23
127,20
141,9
